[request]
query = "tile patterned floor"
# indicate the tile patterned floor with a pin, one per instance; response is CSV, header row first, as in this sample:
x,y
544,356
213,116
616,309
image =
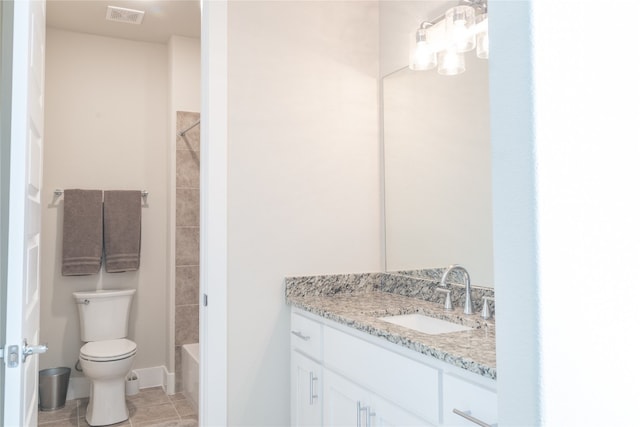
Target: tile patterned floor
x,y
150,407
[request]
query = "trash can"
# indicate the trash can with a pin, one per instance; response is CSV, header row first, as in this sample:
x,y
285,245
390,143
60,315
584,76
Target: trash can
x,y
52,388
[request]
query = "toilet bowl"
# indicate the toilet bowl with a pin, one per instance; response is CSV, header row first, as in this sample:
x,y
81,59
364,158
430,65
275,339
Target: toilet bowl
x,y
107,357
106,364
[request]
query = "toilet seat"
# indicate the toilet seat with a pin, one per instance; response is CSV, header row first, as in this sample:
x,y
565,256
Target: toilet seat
x,y
108,350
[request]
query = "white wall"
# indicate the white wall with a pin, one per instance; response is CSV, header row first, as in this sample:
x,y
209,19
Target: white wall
x,y
303,189
567,232
184,73
106,128
587,155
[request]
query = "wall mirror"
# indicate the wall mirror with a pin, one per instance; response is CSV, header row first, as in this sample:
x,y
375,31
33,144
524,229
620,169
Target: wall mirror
x,y
437,156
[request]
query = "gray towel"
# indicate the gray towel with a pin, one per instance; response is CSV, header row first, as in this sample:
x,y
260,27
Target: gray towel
x,y
122,218
82,232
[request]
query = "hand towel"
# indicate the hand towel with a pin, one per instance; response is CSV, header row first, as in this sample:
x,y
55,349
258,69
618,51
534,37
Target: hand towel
x,y
122,228
82,232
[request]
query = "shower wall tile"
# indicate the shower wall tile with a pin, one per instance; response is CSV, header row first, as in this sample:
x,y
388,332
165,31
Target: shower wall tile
x,y
190,141
187,324
178,370
187,169
187,245
187,207
187,237
187,284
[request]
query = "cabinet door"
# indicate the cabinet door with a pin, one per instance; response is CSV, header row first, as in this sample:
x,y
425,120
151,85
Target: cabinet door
x,y
386,414
306,389
345,403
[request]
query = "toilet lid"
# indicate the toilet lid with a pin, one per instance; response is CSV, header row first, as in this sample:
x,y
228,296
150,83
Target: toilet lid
x,y
102,351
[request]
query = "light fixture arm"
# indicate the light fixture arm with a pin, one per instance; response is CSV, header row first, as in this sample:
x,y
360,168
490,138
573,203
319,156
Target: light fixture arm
x,y
480,6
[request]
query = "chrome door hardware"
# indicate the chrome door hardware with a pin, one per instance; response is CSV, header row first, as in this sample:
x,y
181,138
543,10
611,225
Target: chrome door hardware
x,y
13,356
28,350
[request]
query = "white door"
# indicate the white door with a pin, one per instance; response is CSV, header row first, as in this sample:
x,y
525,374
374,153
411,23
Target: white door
x,y
24,200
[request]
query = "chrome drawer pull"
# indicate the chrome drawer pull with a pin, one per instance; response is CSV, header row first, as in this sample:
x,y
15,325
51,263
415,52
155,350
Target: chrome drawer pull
x,y
301,335
472,419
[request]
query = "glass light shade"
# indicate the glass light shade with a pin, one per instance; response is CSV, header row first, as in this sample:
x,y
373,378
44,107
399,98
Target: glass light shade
x,y
459,23
421,53
482,37
450,63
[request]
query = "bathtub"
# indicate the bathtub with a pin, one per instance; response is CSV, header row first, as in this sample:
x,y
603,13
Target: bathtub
x,y
191,372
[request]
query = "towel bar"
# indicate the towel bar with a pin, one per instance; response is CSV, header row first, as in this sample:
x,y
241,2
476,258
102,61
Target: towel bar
x,y
57,192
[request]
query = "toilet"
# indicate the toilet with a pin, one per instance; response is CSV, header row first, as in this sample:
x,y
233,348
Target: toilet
x,y
107,356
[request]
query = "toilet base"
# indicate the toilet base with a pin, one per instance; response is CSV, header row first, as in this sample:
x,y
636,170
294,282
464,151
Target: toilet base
x,y
107,403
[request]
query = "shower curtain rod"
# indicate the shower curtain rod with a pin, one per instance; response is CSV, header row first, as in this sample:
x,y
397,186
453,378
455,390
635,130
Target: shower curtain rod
x,y
189,128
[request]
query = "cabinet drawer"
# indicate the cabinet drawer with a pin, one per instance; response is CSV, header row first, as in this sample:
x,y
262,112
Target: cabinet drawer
x,y
473,399
412,385
306,336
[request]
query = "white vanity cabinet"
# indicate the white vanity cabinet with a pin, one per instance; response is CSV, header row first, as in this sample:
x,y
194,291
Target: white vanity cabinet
x,y
343,377
306,371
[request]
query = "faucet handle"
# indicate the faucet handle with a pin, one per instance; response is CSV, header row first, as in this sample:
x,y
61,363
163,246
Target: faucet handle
x,y
447,301
486,311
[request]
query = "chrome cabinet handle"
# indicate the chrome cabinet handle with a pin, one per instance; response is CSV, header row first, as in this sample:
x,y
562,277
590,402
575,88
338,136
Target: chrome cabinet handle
x,y
301,335
474,420
370,414
312,395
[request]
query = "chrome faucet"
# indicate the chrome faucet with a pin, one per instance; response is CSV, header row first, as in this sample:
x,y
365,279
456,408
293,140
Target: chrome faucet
x,y
468,306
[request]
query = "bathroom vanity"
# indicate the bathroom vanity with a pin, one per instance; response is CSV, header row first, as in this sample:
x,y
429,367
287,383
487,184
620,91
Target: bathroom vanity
x,y
349,367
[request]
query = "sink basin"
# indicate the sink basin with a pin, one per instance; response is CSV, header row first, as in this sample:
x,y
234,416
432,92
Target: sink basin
x,y
425,324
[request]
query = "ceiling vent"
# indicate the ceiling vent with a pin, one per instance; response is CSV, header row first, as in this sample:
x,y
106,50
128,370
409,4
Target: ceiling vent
x,y
121,14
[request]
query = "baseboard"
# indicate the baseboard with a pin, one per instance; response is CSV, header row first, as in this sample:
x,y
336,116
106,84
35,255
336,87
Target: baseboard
x,y
169,381
157,376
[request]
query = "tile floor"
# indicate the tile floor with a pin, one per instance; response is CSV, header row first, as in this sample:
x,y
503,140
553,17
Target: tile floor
x,y
150,407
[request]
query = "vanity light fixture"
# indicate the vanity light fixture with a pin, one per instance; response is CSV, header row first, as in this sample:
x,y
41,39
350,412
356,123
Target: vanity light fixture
x,y
459,24
444,41
422,56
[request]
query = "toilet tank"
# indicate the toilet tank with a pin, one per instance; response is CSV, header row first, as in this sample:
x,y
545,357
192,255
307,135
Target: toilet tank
x,y
104,314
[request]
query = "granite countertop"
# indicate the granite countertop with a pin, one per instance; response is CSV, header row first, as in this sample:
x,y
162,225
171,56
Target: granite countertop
x,y
472,350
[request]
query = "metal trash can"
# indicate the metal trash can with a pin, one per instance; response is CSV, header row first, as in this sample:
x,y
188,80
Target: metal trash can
x,y
52,388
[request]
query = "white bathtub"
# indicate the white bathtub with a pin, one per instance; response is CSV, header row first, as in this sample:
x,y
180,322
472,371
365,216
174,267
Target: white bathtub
x,y
191,372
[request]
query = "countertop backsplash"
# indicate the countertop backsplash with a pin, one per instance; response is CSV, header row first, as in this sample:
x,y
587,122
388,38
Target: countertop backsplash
x,y
410,283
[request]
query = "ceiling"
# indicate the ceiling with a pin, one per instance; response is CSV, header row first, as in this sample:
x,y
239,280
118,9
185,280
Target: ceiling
x,y
162,19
